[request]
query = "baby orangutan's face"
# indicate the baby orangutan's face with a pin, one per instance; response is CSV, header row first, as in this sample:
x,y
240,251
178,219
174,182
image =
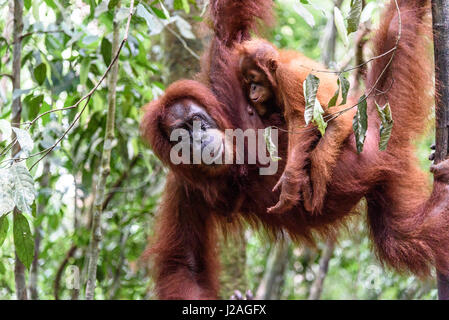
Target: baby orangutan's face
x,y
257,85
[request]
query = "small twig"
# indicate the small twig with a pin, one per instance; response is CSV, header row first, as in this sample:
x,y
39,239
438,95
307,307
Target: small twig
x,y
39,32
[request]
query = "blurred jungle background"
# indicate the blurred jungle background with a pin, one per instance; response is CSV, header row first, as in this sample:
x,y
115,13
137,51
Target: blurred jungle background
x,y
58,116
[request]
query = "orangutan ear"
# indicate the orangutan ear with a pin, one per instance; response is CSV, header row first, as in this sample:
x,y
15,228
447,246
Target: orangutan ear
x,y
272,65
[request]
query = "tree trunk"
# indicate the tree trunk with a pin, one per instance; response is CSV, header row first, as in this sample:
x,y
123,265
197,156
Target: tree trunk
x,y
317,288
104,169
270,288
34,293
16,114
440,12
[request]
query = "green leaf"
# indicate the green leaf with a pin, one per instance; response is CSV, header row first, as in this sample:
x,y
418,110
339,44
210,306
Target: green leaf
x,y
33,106
354,15
4,226
6,186
106,51
318,117
345,85
153,23
40,73
23,240
112,4
5,129
305,1
305,14
310,87
23,191
24,139
84,70
386,125
340,25
27,4
360,123
271,147
182,5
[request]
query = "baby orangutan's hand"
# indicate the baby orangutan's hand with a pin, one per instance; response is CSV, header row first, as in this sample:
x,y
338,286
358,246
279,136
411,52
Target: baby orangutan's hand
x,y
290,192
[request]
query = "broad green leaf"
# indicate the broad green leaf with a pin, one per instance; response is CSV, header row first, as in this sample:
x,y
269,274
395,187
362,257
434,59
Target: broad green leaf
x,y
305,1
153,23
24,139
33,106
5,129
360,123
340,25
40,73
4,226
106,51
2,268
23,191
158,12
354,15
84,70
386,125
23,240
271,147
305,14
310,87
27,4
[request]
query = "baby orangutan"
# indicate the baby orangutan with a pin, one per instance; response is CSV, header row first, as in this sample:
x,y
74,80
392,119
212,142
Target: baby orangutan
x,y
273,79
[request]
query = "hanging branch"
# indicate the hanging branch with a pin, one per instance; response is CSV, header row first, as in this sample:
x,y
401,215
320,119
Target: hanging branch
x,y
440,12
104,170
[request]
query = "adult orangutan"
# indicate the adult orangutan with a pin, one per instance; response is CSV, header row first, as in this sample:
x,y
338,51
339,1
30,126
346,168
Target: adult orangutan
x,y
409,227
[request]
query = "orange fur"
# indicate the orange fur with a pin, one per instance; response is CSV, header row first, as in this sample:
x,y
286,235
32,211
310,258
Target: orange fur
x,y
409,226
286,71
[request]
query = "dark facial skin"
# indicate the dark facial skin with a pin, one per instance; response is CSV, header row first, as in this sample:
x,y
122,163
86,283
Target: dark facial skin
x,y
182,115
257,85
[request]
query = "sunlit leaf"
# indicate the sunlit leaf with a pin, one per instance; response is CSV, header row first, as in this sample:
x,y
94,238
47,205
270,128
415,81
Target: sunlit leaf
x,y
6,198
271,147
360,123
340,25
5,129
23,191
310,87
154,25
185,29
305,14
24,139
23,240
386,125
354,15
